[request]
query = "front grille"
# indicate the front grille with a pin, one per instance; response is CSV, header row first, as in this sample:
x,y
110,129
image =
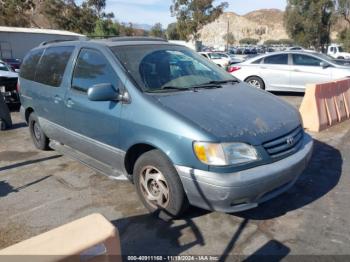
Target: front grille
x,y
286,144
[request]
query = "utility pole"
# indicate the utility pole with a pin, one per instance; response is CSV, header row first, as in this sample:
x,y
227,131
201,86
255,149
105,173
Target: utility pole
x,y
227,35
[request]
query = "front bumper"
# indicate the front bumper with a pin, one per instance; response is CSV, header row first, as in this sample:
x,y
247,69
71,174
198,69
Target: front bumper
x,y
243,190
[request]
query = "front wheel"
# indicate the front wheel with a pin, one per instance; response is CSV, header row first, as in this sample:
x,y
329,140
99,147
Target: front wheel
x,y
256,82
159,186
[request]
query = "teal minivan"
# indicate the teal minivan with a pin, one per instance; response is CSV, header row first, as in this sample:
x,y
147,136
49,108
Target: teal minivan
x,y
182,129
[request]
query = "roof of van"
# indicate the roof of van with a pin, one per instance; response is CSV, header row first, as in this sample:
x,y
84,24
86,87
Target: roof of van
x,y
116,41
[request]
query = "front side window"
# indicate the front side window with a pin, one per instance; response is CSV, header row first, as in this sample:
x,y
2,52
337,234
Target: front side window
x,y
276,60
92,68
50,70
160,67
30,63
305,60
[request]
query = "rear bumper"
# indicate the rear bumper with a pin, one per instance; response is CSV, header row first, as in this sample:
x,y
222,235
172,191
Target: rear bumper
x,y
243,190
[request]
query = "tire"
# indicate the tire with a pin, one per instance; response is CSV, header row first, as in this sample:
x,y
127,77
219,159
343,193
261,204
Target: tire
x,y
2,125
159,186
40,140
256,82
340,57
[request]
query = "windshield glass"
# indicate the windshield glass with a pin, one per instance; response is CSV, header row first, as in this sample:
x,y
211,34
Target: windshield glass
x,y
331,59
216,55
341,50
4,67
160,67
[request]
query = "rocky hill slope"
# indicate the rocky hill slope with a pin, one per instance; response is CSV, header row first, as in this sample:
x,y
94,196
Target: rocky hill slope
x,y
262,24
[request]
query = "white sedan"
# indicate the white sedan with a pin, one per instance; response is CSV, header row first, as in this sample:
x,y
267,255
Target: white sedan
x,y
290,70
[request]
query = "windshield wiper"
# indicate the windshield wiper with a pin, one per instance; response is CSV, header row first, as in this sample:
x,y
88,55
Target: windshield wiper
x,y
168,88
224,81
214,84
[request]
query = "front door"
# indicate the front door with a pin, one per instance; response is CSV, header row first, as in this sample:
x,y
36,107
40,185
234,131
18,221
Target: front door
x,y
94,126
307,69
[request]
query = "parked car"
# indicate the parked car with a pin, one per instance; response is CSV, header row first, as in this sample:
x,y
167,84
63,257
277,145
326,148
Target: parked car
x,y
218,58
14,63
8,84
337,51
5,116
289,71
181,128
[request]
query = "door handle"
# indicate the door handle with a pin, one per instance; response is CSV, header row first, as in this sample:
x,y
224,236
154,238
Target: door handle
x,y
57,99
69,102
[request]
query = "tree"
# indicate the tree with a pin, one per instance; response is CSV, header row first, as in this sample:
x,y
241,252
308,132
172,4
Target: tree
x,y
15,12
157,31
308,22
343,9
248,41
106,28
97,5
172,33
127,29
229,38
192,15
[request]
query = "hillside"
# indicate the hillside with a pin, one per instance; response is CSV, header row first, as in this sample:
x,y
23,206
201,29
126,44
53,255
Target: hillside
x,y
261,24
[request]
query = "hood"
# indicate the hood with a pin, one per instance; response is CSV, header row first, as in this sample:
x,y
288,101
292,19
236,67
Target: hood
x,y
8,74
234,113
343,54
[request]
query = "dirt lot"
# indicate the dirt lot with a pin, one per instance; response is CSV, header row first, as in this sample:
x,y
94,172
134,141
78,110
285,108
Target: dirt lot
x,y
42,190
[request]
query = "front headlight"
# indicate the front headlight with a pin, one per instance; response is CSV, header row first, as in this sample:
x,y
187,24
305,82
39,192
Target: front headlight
x,y
225,154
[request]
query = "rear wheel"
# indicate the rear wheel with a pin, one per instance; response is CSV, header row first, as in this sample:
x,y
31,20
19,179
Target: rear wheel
x,y
340,57
40,140
256,82
159,186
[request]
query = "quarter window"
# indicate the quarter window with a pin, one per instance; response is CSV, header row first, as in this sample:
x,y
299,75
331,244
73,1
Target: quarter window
x,y
276,60
92,68
30,63
305,60
52,65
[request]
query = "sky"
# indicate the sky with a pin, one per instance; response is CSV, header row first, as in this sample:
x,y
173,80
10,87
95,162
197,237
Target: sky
x,y
153,11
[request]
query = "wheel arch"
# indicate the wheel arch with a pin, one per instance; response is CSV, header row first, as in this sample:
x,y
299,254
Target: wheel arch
x,y
27,113
134,152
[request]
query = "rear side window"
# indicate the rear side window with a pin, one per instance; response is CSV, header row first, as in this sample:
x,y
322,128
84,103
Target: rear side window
x,y
52,65
29,64
305,60
92,68
277,60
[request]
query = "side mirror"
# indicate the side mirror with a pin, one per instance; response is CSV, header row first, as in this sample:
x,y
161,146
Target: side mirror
x,y
324,65
103,92
17,70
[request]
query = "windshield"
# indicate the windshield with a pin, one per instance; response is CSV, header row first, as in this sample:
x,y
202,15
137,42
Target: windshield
x,y
161,67
216,55
331,59
341,50
4,67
